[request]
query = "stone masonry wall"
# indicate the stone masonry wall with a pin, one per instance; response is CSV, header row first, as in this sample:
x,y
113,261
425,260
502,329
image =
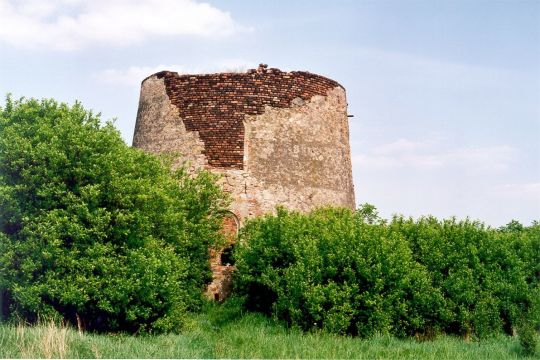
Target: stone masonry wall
x,y
277,138
215,104
160,129
297,157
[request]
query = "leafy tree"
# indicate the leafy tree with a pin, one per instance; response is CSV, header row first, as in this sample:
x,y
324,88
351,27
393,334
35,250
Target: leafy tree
x,y
353,273
482,273
512,226
94,231
332,269
369,214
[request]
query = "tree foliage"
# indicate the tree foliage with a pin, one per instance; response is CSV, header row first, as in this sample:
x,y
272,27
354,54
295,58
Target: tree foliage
x,y
95,231
488,278
332,270
350,272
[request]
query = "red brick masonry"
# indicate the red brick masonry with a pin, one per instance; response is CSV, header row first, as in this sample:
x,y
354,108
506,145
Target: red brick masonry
x,y
215,104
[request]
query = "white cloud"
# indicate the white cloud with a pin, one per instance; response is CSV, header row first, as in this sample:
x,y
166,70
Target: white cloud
x,y
74,24
432,154
529,191
401,145
418,177
487,159
133,75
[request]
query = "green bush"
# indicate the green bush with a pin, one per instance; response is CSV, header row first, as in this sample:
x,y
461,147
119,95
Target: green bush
x,y
94,231
526,244
527,338
354,273
332,270
479,271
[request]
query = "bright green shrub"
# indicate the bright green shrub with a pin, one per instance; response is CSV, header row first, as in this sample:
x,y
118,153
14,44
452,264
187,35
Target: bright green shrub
x,y
94,230
525,242
482,273
331,270
354,273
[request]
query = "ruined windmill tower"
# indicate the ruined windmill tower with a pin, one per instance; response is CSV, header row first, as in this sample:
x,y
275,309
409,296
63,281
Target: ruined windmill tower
x,y
278,138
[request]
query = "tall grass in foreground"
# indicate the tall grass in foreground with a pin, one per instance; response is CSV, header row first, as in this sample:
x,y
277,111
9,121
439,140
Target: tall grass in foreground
x,y
225,332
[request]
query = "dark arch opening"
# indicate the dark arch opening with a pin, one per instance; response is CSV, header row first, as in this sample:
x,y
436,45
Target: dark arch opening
x,y
226,257
231,225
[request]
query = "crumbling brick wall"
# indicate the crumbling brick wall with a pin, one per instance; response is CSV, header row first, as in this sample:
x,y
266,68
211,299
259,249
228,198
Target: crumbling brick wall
x,y
215,105
278,138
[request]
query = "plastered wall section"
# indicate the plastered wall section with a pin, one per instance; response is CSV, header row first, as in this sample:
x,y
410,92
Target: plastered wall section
x,y
159,128
297,157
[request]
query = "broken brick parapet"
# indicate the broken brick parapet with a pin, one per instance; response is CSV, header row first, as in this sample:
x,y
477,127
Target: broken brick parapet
x,y
215,105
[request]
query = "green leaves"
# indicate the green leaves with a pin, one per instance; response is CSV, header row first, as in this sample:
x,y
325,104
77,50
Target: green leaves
x,y
93,229
329,270
353,273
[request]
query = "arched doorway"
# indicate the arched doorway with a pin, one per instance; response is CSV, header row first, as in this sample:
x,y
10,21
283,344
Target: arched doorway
x,y
231,226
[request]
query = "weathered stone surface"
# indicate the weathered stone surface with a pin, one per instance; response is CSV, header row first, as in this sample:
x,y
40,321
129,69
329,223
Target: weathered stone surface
x,y
214,105
278,138
160,129
297,157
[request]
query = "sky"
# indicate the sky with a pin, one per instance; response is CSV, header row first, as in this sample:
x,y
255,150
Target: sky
x,y
445,94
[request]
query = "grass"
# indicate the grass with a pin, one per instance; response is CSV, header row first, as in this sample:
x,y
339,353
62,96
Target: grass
x,y
223,332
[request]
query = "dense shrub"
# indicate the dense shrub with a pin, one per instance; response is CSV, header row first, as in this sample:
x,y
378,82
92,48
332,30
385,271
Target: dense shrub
x,y
483,274
354,273
528,338
94,231
525,242
332,270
